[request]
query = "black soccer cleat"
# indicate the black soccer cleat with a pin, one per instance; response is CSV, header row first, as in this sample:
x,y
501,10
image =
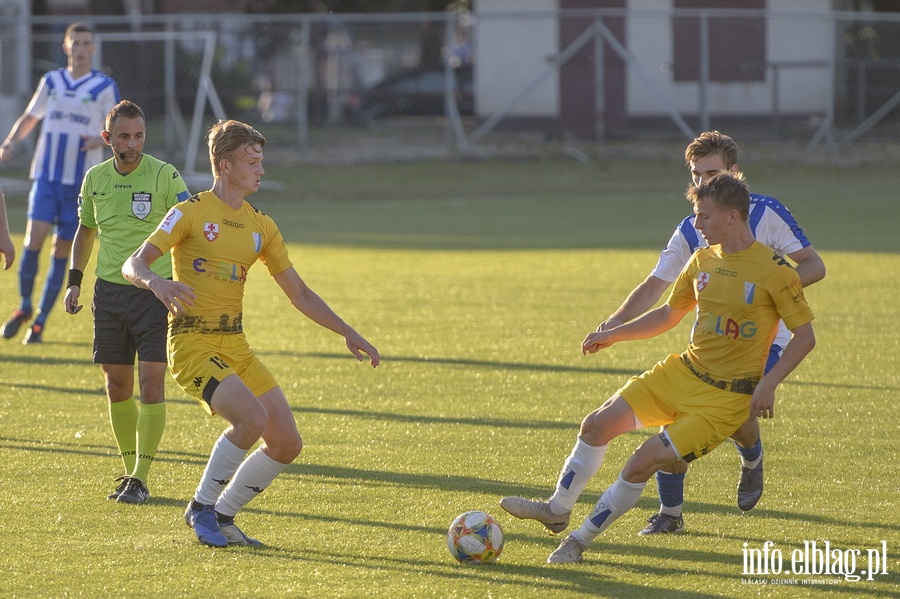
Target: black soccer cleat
x,y
135,492
11,327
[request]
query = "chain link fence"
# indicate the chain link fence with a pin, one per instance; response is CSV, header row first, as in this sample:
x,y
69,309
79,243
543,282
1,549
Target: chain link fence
x,y
356,87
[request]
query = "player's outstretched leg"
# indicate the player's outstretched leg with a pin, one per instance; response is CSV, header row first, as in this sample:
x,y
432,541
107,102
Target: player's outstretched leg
x,y
577,470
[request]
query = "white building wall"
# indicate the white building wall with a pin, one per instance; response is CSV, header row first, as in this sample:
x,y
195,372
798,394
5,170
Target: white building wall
x,y
811,39
512,53
796,30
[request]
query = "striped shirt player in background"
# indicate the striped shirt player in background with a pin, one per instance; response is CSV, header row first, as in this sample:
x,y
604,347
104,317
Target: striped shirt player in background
x,y
73,103
772,224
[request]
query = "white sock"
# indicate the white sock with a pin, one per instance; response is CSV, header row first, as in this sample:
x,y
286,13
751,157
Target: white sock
x,y
620,497
223,463
675,512
751,464
255,474
581,465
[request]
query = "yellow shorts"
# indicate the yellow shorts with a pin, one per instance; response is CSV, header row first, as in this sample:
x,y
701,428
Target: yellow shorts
x,y
699,416
199,362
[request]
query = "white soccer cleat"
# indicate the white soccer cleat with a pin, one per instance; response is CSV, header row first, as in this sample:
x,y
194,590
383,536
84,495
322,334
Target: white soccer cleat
x,y
236,536
568,552
536,510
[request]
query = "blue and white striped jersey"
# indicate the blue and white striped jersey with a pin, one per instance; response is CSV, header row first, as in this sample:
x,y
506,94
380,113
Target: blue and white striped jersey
x,y
770,220
70,109
772,224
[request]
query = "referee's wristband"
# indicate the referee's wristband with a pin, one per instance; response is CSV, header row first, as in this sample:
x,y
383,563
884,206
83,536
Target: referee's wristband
x,y
75,277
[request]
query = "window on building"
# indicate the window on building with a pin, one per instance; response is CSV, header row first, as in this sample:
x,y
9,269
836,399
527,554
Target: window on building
x,y
737,45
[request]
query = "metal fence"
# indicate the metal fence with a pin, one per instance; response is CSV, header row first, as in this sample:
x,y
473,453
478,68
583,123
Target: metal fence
x,y
456,83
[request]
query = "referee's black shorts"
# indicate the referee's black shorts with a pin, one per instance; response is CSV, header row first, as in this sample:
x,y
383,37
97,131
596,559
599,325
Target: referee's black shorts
x,y
127,321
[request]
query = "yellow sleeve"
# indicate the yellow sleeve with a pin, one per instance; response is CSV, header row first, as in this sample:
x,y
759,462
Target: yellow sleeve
x,y
171,229
683,295
790,302
274,253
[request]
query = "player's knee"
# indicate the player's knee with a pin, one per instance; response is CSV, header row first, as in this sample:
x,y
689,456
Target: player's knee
x,y
677,467
607,422
654,454
748,433
639,469
285,450
116,391
153,393
595,429
295,446
251,424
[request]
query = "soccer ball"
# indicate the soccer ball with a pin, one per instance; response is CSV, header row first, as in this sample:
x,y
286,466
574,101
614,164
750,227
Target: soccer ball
x,y
475,538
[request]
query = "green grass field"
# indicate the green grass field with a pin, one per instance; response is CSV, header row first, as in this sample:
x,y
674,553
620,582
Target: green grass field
x,y
477,281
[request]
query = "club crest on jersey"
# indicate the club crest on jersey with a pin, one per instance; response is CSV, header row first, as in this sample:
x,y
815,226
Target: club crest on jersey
x,y
140,205
702,281
210,231
257,242
749,292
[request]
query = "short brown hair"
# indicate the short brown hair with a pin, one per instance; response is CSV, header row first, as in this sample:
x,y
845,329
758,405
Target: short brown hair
x,y
74,28
227,137
712,142
726,190
125,109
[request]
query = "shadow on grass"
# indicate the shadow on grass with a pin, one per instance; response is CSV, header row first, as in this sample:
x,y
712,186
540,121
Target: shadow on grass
x,y
421,419
490,364
60,359
599,574
450,482
89,449
500,365
549,580
85,348
55,388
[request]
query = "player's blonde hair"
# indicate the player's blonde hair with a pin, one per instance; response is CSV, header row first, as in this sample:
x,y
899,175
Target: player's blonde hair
x,y
712,142
726,190
227,137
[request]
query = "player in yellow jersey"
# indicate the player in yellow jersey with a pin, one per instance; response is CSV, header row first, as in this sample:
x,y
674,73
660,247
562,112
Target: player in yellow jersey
x,y
215,238
741,288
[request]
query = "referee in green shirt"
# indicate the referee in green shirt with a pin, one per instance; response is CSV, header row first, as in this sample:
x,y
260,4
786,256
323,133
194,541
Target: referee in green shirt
x,y
122,201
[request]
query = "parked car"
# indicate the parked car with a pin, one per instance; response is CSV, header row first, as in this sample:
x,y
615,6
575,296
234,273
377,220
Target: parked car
x,y
418,91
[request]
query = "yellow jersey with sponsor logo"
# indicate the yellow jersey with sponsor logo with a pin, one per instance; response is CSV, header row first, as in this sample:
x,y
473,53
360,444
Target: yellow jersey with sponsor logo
x,y
213,247
740,298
